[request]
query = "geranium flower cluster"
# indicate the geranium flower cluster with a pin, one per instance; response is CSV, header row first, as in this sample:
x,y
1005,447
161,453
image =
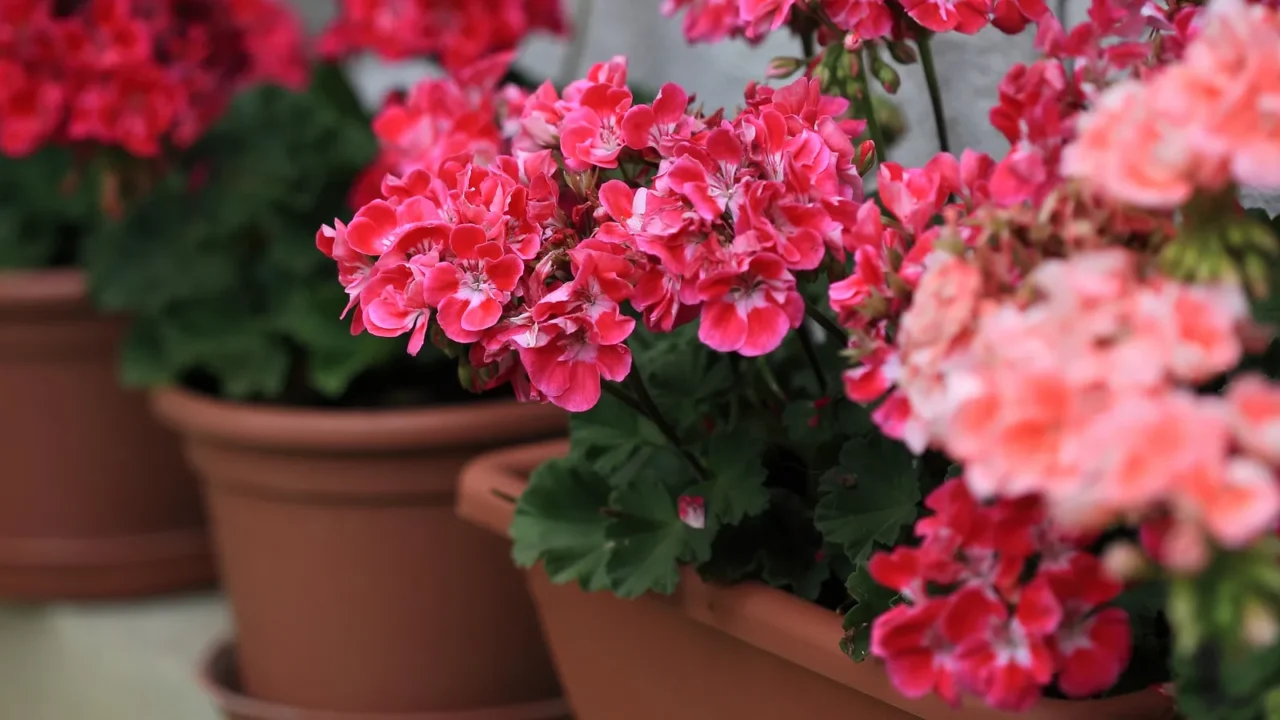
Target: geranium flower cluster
x,y
455,32
997,604
529,264
716,20
136,74
1222,92
1084,396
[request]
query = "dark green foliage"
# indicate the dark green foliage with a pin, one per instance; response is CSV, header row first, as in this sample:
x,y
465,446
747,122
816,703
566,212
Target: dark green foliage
x,y
752,444
225,286
46,207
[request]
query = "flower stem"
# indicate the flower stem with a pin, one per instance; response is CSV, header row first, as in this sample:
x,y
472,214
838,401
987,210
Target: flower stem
x,y
811,353
809,44
569,67
825,323
869,113
935,92
642,402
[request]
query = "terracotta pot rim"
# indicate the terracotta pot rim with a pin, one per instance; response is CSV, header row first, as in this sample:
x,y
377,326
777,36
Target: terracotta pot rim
x,y
350,430
50,286
217,668
761,616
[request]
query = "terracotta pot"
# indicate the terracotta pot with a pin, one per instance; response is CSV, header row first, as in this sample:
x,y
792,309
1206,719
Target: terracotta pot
x,y
746,651
95,499
353,586
220,676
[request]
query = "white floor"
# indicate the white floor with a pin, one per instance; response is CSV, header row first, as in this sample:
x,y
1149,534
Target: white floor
x,y
114,661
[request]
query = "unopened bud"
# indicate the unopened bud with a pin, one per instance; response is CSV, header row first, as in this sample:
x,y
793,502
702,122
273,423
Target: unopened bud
x,y
866,157
886,76
855,63
783,67
1258,625
467,375
852,42
438,338
1124,561
1185,549
903,52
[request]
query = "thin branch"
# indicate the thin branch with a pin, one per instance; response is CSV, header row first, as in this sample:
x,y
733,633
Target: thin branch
x,y
826,323
935,92
811,352
869,112
569,66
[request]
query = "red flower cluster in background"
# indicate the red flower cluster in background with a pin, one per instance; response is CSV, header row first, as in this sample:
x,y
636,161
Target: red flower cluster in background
x,y
137,74
998,605
455,32
679,214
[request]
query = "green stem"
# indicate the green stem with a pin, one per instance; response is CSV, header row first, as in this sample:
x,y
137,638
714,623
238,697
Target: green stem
x,y
569,67
825,323
869,112
812,354
935,92
646,406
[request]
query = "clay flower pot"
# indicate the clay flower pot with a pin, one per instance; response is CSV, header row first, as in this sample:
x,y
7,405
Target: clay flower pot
x,y
353,587
746,651
95,499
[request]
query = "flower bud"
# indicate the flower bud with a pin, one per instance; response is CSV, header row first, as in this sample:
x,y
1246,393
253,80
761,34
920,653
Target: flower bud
x,y
783,67
1124,561
903,52
886,76
865,157
852,42
1258,624
467,376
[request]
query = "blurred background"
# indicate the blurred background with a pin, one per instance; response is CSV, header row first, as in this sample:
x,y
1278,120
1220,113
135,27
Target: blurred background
x,y
134,661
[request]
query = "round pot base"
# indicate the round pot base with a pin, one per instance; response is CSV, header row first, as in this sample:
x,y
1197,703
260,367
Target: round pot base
x,y
105,568
220,677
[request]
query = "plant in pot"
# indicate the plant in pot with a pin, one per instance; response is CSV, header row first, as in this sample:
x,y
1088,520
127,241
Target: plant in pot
x,y
1029,492
99,100
328,459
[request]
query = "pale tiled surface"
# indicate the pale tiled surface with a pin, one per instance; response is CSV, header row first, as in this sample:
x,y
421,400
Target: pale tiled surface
x,y
112,661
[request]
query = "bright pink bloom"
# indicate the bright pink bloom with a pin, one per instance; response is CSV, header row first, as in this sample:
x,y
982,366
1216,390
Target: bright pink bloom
x,y
748,309
471,287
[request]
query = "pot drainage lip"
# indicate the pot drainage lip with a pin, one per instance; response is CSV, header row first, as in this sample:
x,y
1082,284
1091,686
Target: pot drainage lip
x,y
219,678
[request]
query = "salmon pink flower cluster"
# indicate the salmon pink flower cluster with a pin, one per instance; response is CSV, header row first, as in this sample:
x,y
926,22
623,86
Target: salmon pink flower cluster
x,y
998,605
141,75
529,264
1221,91
1085,396
455,32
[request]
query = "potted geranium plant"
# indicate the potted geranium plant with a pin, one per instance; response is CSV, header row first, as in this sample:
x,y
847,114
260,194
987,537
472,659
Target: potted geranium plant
x,y
328,459
97,99
1044,495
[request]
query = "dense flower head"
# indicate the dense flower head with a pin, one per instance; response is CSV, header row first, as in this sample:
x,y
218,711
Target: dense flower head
x,y
998,604
1222,91
600,202
455,32
136,74
1080,389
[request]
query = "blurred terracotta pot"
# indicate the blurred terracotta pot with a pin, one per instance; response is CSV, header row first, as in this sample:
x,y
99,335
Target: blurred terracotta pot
x,y
746,651
95,499
353,586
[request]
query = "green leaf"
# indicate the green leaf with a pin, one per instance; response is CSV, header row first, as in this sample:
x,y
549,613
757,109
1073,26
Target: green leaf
x,y
872,600
871,497
648,541
611,434
560,521
737,486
